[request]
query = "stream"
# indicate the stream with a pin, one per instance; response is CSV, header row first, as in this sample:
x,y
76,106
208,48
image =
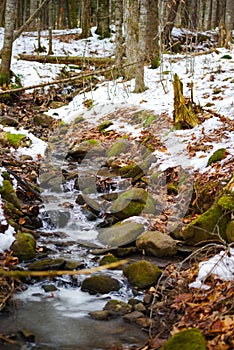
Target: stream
x,y
60,319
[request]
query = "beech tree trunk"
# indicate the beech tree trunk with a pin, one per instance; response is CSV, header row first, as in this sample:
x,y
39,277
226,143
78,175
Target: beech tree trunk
x,y
2,8
33,8
103,19
119,50
85,19
174,5
152,37
229,21
8,42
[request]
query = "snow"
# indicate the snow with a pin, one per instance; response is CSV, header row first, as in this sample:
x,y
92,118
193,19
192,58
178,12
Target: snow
x,y
213,87
221,266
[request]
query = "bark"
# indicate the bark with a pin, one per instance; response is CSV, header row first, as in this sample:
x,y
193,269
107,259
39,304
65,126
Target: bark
x,y
184,114
2,10
103,19
8,42
78,60
139,79
174,5
229,21
85,20
152,38
131,19
33,8
73,13
119,50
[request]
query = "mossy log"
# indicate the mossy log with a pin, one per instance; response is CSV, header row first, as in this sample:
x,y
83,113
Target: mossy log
x,y
100,62
184,114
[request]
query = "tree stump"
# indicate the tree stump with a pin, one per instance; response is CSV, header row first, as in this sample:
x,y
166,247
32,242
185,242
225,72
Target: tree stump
x,y
184,114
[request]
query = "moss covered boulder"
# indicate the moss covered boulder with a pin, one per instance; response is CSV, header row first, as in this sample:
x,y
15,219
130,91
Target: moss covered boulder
x,y
47,264
118,147
104,125
117,307
206,226
120,234
142,274
100,284
230,232
8,193
43,120
89,148
217,156
24,246
156,243
226,202
129,203
188,339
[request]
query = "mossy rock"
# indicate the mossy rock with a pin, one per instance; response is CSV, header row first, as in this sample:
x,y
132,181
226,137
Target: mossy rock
x,y
230,232
205,194
120,146
149,120
108,259
18,140
142,274
24,246
205,226
117,307
226,202
129,203
120,234
12,211
92,204
100,284
47,264
188,339
150,206
172,188
90,148
8,193
104,125
42,119
217,156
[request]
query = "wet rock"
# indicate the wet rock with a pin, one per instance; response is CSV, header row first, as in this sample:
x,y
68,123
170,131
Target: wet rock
x,y
117,307
192,339
133,316
43,119
101,315
129,203
120,234
91,148
100,284
86,184
142,274
92,204
120,146
156,243
73,265
140,307
47,264
48,288
7,192
59,218
108,259
24,246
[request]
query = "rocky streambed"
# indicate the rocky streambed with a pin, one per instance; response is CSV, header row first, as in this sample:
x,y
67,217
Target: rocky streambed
x,y
99,196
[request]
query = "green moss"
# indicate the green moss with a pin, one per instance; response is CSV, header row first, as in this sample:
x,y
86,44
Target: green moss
x,y
79,119
108,259
230,232
226,202
118,147
104,125
172,188
92,142
155,62
149,120
150,207
217,156
24,247
226,57
142,274
8,193
17,140
206,225
188,339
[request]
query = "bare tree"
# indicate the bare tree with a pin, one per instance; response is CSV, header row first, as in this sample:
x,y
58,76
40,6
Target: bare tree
x,y
33,8
86,15
8,42
229,21
2,8
119,50
103,19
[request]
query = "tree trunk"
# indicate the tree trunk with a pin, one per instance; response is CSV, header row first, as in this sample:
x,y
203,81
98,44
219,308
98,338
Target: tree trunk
x,y
73,13
184,114
229,22
33,8
85,19
8,42
152,38
2,10
119,50
50,23
131,19
174,5
103,19
139,79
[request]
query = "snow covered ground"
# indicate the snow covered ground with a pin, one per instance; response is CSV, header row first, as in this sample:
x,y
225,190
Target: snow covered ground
x,y
211,74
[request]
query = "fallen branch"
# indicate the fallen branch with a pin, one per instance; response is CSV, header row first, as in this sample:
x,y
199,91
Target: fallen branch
x,y
77,60
23,274
66,80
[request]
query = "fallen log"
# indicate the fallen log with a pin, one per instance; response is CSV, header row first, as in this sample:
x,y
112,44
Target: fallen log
x,y
81,61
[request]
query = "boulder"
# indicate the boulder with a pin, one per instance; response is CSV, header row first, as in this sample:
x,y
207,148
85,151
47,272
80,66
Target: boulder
x,y
47,264
24,246
117,307
230,232
120,146
156,243
142,274
129,203
43,120
89,148
8,193
120,234
217,156
100,284
188,339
